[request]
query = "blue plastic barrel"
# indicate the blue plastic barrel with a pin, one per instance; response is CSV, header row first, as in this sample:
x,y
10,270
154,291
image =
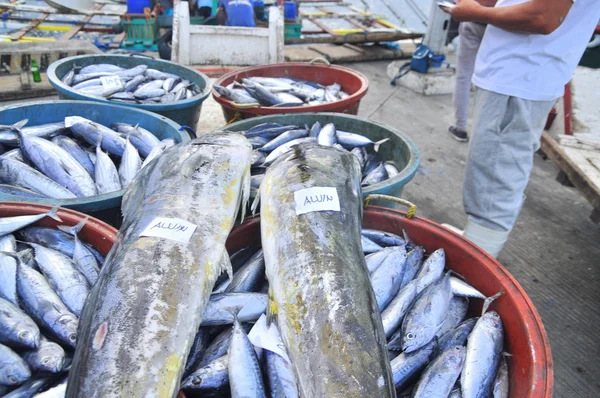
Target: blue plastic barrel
x,y
137,6
289,10
400,149
185,113
107,206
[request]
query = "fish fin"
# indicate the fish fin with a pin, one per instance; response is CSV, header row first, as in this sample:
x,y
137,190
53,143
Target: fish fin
x,y
457,275
256,201
246,186
19,125
225,265
13,255
271,308
377,144
74,229
193,163
488,301
53,213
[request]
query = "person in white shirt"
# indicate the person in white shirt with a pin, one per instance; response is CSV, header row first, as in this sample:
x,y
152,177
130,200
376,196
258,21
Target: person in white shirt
x,y
529,52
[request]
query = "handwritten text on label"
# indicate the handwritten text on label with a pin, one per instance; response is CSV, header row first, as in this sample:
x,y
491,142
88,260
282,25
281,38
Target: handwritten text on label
x,y
316,199
111,82
170,228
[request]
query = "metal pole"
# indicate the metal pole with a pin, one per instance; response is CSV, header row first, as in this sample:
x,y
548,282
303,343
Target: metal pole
x,y
437,29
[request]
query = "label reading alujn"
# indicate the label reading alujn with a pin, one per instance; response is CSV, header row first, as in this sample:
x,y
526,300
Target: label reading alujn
x,y
316,199
170,228
111,82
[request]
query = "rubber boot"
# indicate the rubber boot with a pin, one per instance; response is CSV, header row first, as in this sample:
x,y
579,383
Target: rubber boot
x,y
488,239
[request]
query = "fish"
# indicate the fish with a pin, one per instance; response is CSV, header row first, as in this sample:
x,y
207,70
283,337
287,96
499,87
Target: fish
x,y
49,130
68,78
484,351
63,276
276,153
375,259
131,163
440,376
44,306
463,289
352,140
30,388
315,130
218,347
406,365
280,378
221,308
386,279
84,259
311,288
457,311
19,174
73,149
95,68
211,378
245,377
90,132
17,329
458,335
157,150
327,135
106,175
414,260
205,182
369,246
8,270
11,224
377,175
47,357
158,75
58,164
56,391
501,385
250,276
13,369
134,83
394,313
20,191
241,97
283,138
427,315
143,140
391,169
201,343
431,270
383,238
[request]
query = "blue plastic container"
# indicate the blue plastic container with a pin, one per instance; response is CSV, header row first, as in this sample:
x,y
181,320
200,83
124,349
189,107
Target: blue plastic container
x,y
400,149
289,10
107,206
137,6
185,113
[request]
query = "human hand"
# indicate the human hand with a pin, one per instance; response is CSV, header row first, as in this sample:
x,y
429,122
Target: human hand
x,y
465,10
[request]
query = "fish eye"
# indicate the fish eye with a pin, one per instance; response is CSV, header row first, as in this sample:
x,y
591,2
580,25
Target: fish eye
x,y
12,380
410,336
45,361
23,335
197,380
73,337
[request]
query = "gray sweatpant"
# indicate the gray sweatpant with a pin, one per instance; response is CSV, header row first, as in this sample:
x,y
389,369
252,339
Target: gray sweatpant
x,y
470,36
506,134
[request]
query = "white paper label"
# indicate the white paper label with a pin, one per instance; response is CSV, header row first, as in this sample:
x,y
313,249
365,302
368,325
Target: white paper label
x,y
111,82
267,338
170,228
316,199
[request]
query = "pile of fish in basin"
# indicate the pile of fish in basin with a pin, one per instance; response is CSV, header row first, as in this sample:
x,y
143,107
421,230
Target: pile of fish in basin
x,y
74,158
46,275
140,84
280,92
272,139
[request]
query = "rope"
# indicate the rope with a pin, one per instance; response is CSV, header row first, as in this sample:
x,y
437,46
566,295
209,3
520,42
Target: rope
x,y
236,117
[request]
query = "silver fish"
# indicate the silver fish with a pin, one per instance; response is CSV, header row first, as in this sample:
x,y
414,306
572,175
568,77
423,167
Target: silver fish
x,y
157,150
394,313
131,163
19,174
439,377
406,365
286,148
245,378
431,270
501,385
330,286
141,138
13,369
11,224
283,138
106,174
463,289
327,135
91,132
414,260
386,279
280,376
83,258
17,329
456,313
8,270
95,68
369,246
211,378
78,153
484,350
47,131
250,276
48,357
426,316
134,83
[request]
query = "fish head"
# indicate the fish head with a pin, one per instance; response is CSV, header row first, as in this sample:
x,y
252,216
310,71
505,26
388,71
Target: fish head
x,y
15,373
416,334
492,320
51,362
29,338
66,327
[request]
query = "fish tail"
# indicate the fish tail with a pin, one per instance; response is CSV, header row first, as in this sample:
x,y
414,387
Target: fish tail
x,y
256,201
19,125
99,141
53,213
74,230
13,255
377,144
488,301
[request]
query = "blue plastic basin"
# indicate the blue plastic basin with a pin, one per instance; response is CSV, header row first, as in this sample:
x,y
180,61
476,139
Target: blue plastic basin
x,y
185,113
106,206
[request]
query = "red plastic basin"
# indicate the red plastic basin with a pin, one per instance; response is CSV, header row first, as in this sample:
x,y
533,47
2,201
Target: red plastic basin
x,y
95,232
352,82
531,371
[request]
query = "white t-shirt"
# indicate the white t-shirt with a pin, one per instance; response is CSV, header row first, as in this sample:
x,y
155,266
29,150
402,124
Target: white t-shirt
x,y
532,66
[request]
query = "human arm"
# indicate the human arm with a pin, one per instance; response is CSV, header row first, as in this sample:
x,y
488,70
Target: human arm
x,y
535,16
